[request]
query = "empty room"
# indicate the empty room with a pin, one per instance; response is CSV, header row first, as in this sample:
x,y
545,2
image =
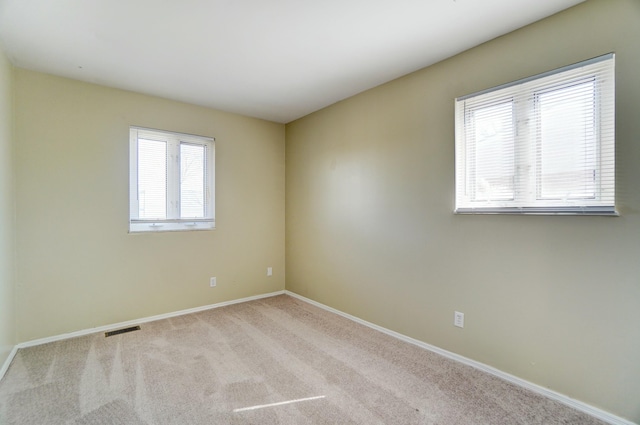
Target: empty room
x,y
285,212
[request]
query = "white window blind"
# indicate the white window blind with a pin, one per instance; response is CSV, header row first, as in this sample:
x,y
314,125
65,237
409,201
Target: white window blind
x,y
171,181
152,179
543,145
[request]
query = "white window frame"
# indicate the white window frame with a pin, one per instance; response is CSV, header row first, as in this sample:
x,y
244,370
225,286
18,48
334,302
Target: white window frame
x,y
173,220
524,95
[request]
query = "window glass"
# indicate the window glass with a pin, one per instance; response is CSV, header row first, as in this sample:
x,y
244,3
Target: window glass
x,y
493,154
192,182
568,144
152,179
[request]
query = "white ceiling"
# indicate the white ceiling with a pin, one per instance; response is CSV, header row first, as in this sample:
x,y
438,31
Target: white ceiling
x,y
273,59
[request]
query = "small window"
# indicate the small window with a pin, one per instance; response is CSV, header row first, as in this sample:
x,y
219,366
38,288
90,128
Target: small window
x,y
171,181
542,145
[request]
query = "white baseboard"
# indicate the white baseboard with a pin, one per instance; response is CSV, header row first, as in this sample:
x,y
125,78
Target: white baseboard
x,y
561,398
7,362
126,324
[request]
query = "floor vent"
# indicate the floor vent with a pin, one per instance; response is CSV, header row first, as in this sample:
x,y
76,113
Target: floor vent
x,y
122,331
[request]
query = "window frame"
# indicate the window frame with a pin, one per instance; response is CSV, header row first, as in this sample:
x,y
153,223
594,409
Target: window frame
x,y
527,143
173,220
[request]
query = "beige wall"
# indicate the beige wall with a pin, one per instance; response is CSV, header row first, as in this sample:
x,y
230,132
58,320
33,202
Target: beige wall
x,y
370,229
7,324
77,266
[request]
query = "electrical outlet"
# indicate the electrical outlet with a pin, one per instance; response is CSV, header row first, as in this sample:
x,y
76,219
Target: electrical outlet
x,y
212,282
269,271
458,319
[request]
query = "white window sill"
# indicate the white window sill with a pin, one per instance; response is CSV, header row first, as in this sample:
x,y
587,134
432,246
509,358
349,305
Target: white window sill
x,y
597,211
159,226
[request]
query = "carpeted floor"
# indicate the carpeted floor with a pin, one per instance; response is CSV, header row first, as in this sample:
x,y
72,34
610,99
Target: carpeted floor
x,y
272,361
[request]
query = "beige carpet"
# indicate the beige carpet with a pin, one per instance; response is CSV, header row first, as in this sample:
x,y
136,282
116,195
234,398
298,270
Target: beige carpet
x,y
272,361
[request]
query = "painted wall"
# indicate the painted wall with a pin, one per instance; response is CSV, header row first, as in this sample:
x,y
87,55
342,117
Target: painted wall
x,y
7,324
370,228
77,265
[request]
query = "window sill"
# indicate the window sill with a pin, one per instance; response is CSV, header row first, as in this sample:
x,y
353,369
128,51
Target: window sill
x,y
160,226
583,211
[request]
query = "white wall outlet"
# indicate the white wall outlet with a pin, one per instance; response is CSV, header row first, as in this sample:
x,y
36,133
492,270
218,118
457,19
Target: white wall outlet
x,y
269,271
458,319
212,282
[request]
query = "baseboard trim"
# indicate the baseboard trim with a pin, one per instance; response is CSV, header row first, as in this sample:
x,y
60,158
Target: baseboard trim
x,y
134,322
561,398
7,362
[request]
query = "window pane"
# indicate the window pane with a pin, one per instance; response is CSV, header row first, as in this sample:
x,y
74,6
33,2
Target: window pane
x,y
492,152
152,179
192,180
567,156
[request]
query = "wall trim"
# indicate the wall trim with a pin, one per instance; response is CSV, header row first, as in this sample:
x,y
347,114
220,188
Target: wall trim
x,y
7,362
134,322
561,398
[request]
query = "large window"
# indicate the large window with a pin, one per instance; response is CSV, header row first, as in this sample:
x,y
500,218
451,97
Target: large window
x,y
171,181
542,145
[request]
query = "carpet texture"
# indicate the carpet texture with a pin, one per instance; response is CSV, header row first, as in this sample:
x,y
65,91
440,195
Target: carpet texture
x,y
272,361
